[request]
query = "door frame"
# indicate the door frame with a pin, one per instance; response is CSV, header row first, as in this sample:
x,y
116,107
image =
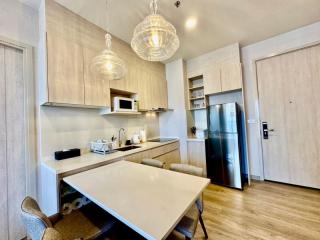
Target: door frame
x,y
254,65
30,113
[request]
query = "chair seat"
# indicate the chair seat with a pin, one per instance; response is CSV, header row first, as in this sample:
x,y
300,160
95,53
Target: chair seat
x,y
86,223
188,224
153,163
188,169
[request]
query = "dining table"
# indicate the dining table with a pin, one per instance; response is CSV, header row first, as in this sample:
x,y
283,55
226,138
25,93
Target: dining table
x,y
149,200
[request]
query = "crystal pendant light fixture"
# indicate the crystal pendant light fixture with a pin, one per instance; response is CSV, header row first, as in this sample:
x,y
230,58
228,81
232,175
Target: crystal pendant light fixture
x,y
155,39
108,64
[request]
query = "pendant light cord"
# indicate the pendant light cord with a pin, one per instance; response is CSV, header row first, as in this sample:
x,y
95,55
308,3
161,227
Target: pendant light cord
x,y
154,6
108,35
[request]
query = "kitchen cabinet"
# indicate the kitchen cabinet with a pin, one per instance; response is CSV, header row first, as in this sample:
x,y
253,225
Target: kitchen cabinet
x,y
222,78
96,87
137,157
212,80
169,158
64,70
159,86
168,153
231,76
197,153
71,43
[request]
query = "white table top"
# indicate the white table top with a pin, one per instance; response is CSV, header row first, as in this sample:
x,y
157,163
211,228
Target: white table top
x,y
149,200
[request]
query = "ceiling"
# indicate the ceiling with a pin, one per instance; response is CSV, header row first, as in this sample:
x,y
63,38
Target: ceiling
x,y
220,22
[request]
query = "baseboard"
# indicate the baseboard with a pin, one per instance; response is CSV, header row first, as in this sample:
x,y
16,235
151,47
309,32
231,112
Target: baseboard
x,y
255,177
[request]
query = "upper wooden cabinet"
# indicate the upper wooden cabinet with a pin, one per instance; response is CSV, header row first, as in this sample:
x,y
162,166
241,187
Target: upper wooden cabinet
x,y
97,92
212,81
72,42
65,71
231,76
222,78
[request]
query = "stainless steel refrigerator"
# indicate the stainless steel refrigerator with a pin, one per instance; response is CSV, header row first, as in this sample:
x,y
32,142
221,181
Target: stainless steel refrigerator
x,y
224,147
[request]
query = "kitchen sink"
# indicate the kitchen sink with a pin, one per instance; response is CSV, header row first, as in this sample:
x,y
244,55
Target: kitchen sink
x,y
128,148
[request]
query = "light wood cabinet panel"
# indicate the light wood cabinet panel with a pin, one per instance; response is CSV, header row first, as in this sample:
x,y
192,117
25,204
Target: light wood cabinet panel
x,y
145,96
231,76
170,157
212,81
69,82
65,71
3,163
197,154
137,157
159,98
97,90
164,149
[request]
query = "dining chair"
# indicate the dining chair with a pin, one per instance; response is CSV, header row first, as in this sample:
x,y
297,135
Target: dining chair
x,y
86,223
51,234
188,224
153,162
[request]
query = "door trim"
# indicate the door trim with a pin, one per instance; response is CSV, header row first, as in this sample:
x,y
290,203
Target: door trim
x,y
254,65
30,113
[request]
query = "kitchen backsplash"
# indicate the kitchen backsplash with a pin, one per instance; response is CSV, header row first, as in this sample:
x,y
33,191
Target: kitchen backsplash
x,y
64,128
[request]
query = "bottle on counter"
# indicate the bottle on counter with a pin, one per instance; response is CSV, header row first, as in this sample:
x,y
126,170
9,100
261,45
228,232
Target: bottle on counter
x,y
143,135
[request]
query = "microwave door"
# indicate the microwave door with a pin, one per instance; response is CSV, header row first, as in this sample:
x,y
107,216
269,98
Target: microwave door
x,y
125,105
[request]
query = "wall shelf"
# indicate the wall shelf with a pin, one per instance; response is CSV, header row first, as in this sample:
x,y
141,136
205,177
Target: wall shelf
x,y
196,95
196,87
196,98
194,109
107,112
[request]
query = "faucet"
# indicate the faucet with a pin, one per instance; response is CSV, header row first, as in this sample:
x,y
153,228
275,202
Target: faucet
x,y
119,139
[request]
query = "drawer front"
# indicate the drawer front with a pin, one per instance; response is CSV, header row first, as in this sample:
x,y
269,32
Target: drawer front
x,y
163,149
137,157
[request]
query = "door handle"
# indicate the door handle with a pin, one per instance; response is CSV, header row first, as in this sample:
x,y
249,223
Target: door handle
x,y
265,130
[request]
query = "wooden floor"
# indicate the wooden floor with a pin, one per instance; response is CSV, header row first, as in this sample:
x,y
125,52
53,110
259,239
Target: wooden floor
x,y
265,210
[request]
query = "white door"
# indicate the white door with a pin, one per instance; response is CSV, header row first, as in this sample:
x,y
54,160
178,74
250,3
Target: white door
x,y
12,143
289,96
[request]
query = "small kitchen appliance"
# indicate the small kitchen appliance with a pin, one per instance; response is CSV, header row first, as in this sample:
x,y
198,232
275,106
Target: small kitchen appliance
x,y
122,104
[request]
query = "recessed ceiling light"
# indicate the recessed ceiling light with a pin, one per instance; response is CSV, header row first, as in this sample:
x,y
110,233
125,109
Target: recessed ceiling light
x,y
191,23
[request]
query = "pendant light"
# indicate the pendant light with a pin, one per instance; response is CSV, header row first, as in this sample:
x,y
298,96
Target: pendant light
x,y
108,64
155,39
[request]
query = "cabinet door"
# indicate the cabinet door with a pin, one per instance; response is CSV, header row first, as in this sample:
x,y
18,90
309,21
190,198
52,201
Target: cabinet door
x,y
163,90
65,71
129,83
152,90
212,80
197,154
144,93
231,76
137,157
169,158
97,90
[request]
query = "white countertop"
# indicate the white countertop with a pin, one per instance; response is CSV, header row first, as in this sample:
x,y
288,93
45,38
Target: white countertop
x,y
89,159
196,139
149,200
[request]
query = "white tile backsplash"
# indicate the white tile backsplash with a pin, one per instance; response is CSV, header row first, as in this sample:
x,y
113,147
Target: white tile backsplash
x,y
64,128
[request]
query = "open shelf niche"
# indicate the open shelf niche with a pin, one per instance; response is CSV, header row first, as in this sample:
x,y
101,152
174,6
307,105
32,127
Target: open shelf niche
x,y
197,100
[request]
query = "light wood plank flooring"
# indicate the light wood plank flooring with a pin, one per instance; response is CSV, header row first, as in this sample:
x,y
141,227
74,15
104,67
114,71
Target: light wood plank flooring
x,y
265,210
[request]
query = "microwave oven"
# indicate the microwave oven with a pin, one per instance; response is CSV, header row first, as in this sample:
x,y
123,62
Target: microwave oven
x,y
122,104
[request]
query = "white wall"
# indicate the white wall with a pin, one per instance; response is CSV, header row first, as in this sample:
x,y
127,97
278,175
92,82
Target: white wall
x,y
174,123
18,22
64,128
283,42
